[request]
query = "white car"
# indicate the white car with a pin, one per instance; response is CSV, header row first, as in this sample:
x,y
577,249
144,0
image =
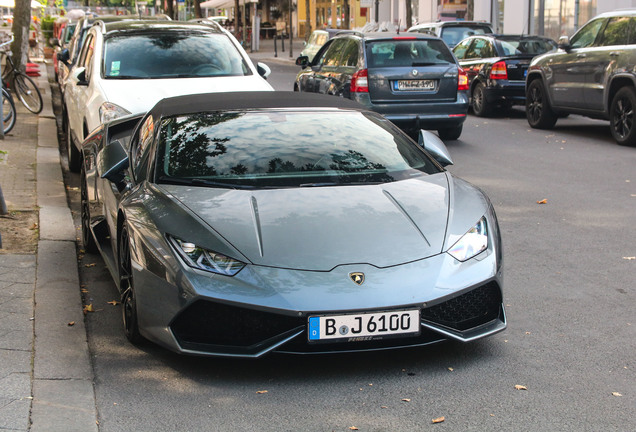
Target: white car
x,y
127,67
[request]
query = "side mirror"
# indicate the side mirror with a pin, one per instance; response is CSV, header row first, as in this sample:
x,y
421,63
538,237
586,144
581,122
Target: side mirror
x,y
564,43
80,75
432,144
302,61
263,70
64,56
112,163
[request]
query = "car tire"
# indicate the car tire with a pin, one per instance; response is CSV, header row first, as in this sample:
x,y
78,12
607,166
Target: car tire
x,y
127,288
481,107
74,156
450,134
623,116
538,110
88,240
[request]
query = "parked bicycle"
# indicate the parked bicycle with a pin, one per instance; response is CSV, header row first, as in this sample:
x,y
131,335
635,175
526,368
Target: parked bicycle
x,y
24,87
9,113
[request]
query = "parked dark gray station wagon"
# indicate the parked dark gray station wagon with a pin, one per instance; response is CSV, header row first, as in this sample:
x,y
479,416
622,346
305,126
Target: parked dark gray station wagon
x,y
591,74
412,79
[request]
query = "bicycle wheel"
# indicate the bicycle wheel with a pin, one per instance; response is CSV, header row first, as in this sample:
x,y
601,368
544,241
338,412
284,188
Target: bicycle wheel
x,y
8,111
27,92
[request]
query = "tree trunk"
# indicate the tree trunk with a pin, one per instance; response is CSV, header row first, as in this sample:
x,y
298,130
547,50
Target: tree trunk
x,y
21,24
307,19
197,9
170,9
236,18
347,15
409,14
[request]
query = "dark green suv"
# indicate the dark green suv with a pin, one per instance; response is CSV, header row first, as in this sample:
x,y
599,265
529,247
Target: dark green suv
x,y
592,74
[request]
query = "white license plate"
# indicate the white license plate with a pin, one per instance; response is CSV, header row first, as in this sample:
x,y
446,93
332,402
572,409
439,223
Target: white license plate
x,y
364,326
415,85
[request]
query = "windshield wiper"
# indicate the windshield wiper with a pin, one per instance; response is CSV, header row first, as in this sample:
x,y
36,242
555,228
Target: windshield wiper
x,y
339,184
202,182
426,63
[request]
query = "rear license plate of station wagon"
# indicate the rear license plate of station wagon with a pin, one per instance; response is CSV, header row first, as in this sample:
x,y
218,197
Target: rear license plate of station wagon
x,y
364,326
414,85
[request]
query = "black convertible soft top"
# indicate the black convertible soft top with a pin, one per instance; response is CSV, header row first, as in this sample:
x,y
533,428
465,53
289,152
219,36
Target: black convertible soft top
x,y
231,101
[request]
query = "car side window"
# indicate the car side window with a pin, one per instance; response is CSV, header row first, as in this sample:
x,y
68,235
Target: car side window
x,y
140,146
587,35
88,59
616,31
481,48
461,49
334,53
85,48
350,54
320,55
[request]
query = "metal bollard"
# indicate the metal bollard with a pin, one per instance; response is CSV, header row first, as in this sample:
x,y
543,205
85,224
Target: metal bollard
x,y
282,43
275,46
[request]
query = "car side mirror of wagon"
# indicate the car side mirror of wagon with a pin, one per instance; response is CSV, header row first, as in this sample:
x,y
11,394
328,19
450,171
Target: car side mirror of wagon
x,y
564,43
432,144
302,61
112,163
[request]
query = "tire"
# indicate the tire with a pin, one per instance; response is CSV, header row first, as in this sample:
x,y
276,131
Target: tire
x,y
450,134
28,93
538,109
74,156
8,112
623,116
88,240
127,288
481,107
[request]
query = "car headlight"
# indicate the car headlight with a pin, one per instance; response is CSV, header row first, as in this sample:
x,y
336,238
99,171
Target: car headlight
x,y
205,259
472,243
110,111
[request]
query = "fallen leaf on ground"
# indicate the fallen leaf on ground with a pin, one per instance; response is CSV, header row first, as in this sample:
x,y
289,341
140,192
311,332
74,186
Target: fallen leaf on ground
x,y
88,308
34,227
384,407
261,392
353,428
84,291
438,419
90,265
406,400
71,324
451,369
114,302
629,258
521,387
617,394
543,201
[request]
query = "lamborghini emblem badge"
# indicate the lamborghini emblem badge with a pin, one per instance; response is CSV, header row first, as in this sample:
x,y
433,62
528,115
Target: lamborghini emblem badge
x,y
357,277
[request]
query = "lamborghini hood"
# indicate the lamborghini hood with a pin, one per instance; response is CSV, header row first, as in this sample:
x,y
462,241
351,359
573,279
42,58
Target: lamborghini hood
x,y
323,227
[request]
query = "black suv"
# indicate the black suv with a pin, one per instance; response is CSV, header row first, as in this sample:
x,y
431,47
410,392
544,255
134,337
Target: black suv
x,y
412,79
591,74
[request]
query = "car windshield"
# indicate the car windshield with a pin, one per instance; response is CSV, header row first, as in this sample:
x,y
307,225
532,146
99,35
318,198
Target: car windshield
x,y
407,52
282,148
171,54
453,34
529,46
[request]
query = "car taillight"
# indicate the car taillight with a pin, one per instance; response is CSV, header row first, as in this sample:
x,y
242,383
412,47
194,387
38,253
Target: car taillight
x,y
360,82
462,79
499,70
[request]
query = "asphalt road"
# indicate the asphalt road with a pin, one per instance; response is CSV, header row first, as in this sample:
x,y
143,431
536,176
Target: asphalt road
x,y
569,289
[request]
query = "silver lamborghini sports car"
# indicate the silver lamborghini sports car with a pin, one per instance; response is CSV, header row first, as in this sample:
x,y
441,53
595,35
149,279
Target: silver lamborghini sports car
x,y
239,224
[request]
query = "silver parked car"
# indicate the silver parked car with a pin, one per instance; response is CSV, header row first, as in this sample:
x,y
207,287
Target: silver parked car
x,y
238,224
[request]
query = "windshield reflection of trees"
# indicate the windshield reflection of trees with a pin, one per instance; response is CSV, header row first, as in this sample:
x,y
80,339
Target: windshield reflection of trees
x,y
192,153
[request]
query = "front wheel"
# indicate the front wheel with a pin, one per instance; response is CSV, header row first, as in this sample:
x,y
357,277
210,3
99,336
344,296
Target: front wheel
x,y
450,134
538,110
127,287
481,107
28,93
74,155
88,240
8,112
622,117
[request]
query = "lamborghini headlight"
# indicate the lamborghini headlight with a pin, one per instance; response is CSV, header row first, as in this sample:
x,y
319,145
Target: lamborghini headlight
x,y
110,111
472,243
205,259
